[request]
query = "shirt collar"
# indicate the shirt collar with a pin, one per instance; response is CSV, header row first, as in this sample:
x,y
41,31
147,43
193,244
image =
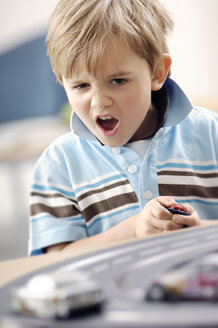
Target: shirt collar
x,y
79,128
178,108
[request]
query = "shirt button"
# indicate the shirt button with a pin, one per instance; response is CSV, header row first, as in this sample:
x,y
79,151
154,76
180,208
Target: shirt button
x,y
148,194
132,168
116,150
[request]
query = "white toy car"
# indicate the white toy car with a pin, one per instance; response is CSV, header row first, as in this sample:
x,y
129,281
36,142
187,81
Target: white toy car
x,y
57,295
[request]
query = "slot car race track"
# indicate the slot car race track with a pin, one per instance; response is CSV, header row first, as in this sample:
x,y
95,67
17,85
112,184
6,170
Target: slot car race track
x,y
124,272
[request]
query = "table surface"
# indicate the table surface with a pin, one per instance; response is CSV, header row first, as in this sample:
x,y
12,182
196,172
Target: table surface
x,y
14,269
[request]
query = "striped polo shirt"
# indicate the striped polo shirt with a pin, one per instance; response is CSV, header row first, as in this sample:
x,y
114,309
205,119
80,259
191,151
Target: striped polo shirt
x,y
82,188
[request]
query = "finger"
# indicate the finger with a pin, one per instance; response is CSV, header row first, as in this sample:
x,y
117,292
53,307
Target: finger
x,y
165,225
171,226
166,201
161,213
188,208
189,221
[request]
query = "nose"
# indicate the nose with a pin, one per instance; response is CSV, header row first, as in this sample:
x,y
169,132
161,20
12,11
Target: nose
x,y
100,99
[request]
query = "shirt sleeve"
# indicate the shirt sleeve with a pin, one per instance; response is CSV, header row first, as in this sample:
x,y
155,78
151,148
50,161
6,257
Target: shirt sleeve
x,y
55,216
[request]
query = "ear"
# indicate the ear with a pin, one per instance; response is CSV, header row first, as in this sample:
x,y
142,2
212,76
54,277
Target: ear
x,y
160,72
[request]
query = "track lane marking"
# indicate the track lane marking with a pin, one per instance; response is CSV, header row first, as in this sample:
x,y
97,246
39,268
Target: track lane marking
x,y
101,267
183,243
148,252
122,260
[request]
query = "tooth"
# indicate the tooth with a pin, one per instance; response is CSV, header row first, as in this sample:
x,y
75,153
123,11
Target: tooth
x,y
105,118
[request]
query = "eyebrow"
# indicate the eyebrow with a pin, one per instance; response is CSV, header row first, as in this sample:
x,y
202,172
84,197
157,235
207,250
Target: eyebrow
x,y
117,74
114,75
77,82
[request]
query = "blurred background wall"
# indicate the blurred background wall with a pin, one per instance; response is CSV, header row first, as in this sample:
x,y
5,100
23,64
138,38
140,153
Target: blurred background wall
x,y
194,48
31,101
30,106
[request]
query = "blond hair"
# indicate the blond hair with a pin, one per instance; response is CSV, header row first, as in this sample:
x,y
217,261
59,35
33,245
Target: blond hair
x,y
80,30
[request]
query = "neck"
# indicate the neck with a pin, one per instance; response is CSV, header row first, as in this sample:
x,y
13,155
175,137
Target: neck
x,y
155,116
148,126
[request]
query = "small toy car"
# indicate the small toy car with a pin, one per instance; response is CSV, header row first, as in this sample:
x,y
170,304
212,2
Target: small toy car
x,y
195,282
57,295
176,210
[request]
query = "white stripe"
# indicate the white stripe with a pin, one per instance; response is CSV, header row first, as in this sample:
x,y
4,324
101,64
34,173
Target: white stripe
x,y
52,202
44,192
188,180
95,198
114,210
49,216
50,193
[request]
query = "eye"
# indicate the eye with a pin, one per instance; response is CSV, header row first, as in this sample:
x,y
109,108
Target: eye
x,y
81,86
119,81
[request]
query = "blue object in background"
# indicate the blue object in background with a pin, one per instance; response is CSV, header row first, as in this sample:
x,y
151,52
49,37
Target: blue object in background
x,y
28,87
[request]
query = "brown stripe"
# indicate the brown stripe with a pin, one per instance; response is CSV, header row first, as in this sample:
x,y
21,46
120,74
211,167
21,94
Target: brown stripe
x,y
109,204
111,186
187,173
188,190
58,212
33,193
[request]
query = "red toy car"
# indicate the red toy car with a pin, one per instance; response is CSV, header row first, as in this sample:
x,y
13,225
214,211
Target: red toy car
x,y
193,282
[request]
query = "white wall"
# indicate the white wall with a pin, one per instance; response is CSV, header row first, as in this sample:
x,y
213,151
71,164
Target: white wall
x,y
194,48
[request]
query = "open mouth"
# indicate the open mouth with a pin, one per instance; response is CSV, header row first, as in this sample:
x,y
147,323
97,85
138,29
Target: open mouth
x,y
107,122
108,125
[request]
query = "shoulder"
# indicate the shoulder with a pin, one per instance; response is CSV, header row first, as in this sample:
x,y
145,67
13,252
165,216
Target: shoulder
x,y
205,113
65,144
70,152
62,151
204,117
202,122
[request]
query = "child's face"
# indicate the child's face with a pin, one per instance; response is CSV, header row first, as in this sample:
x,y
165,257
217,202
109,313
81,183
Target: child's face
x,y
114,102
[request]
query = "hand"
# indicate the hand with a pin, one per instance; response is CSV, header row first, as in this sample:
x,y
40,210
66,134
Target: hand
x,y
192,220
155,218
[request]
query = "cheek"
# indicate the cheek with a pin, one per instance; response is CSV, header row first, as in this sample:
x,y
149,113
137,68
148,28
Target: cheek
x,y
137,103
77,105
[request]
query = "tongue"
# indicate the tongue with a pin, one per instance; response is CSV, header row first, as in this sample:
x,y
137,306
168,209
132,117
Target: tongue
x,y
108,124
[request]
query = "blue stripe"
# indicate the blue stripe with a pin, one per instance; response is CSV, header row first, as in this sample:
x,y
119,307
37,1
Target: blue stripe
x,y
36,252
190,166
47,216
196,201
112,214
99,183
39,187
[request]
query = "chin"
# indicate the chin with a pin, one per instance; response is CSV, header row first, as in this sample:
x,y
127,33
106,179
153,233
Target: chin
x,y
113,143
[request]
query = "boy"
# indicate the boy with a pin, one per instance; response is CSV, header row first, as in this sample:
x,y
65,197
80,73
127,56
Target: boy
x,y
137,144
